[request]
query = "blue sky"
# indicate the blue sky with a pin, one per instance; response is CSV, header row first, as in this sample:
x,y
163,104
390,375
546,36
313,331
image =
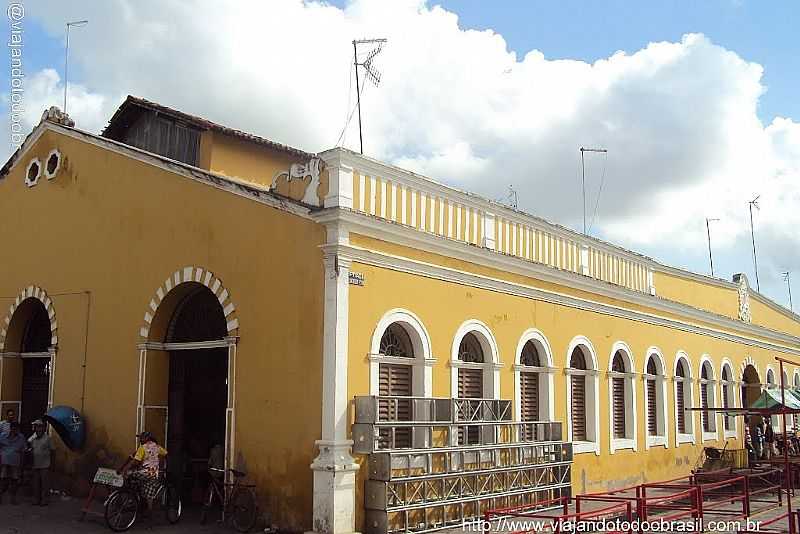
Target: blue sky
x,y
763,32
689,123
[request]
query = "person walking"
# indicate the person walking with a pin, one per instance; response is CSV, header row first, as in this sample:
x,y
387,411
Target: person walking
x,y
42,448
12,446
769,439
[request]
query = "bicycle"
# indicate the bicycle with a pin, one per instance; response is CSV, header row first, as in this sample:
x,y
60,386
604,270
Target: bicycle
x,y
123,504
237,501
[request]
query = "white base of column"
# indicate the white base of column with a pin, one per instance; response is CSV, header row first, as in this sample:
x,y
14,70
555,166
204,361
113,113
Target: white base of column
x,y
334,488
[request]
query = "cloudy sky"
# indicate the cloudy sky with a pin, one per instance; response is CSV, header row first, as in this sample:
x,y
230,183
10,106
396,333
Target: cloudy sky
x,y
696,102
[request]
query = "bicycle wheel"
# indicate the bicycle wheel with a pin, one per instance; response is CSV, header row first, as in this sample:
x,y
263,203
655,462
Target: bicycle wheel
x,y
169,498
122,507
243,504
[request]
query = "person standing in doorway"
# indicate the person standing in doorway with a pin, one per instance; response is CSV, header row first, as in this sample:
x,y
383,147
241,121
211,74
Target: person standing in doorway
x,y
12,446
9,418
42,448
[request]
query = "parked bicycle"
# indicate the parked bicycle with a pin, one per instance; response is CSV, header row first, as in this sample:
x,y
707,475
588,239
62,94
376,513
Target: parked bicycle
x,y
237,501
123,505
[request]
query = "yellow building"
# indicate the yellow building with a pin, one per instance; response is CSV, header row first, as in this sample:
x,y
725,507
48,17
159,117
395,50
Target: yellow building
x,y
217,288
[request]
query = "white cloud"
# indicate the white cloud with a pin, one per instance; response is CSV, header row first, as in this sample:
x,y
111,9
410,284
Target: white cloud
x,y
678,118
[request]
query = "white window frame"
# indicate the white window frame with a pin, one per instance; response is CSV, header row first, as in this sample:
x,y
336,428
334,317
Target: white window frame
x,y
51,175
688,400
32,182
711,385
592,397
732,390
769,378
546,372
491,354
422,362
630,441
661,439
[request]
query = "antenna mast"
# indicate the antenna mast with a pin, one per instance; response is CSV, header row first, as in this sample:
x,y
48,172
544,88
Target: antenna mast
x,y
372,74
583,179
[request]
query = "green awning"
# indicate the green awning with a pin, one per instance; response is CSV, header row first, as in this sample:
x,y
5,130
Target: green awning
x,y
770,399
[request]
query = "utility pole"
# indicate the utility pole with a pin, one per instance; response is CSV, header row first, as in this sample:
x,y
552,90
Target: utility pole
x,y
75,23
752,203
786,276
708,231
583,179
370,72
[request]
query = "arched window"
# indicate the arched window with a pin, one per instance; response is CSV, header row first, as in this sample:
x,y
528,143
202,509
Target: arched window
x,y
582,397
621,394
529,383
708,399
395,379
684,421
578,387
470,380
533,378
728,421
655,400
770,378
400,344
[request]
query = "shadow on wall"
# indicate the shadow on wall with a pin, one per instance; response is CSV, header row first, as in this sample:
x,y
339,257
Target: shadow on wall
x,y
75,470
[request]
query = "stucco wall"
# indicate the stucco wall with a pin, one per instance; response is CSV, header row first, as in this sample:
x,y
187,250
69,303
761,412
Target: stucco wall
x,y
104,235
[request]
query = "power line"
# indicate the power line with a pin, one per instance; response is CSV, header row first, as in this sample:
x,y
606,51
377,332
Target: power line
x,y
583,180
599,191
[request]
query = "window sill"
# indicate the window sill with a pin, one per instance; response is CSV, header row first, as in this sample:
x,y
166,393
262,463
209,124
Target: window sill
x,y
731,434
685,438
582,447
623,443
710,436
657,441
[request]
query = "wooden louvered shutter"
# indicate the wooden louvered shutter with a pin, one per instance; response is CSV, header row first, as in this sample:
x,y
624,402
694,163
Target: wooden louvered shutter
x,y
680,406
470,386
726,421
652,411
394,380
704,404
529,396
578,386
618,397
470,383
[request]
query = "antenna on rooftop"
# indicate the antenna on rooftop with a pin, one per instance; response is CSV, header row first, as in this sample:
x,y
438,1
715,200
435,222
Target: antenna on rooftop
x,y
786,276
583,179
371,73
754,203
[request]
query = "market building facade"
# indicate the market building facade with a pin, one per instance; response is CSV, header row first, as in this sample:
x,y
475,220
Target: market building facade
x,y
220,289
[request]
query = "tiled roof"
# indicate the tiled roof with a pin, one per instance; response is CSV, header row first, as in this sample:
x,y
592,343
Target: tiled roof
x,y
199,122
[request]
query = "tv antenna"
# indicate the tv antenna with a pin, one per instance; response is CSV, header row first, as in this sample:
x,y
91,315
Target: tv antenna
x,y
786,276
370,72
583,179
708,232
754,203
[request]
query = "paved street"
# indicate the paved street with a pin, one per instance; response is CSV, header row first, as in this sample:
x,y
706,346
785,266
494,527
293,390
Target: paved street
x,y
62,516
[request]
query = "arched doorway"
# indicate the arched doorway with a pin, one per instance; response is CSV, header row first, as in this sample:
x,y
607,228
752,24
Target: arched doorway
x,y
751,386
187,379
27,358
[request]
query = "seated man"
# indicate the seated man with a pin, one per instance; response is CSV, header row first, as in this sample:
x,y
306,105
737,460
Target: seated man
x,y
144,466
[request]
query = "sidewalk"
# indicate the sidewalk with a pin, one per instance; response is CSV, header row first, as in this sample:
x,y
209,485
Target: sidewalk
x,y
62,515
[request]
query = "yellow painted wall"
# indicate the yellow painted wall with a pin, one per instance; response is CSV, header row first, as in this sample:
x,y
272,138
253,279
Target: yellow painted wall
x,y
708,297
117,228
444,306
256,163
765,316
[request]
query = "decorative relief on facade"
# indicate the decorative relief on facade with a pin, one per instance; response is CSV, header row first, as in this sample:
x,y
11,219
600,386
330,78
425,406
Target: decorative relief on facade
x,y
744,297
300,171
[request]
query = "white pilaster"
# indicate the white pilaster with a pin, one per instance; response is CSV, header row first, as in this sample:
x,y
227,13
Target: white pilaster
x,y
489,231
340,185
334,468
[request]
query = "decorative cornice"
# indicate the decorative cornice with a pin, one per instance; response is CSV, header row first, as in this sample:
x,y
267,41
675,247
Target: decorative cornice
x,y
406,236
781,343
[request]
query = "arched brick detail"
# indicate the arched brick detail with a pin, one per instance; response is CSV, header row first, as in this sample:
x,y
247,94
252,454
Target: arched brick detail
x,y
39,294
200,276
